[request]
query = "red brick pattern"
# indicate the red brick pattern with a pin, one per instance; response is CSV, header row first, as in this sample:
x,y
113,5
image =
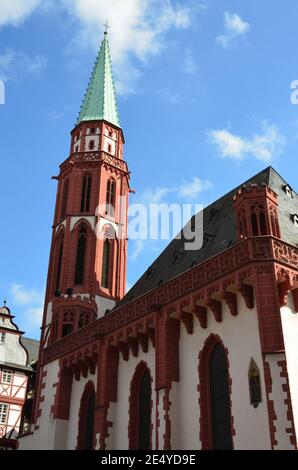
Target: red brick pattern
x,y
288,402
270,405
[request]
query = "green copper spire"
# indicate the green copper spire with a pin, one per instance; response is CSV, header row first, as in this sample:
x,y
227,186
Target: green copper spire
x,y
100,100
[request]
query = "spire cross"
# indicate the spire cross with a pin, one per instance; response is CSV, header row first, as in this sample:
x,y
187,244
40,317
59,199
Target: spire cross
x,y
5,302
107,27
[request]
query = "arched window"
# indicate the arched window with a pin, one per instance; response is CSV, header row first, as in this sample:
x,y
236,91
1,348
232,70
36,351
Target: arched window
x,y
220,399
86,193
110,197
106,263
59,266
68,323
215,421
64,199
262,219
80,260
140,409
86,418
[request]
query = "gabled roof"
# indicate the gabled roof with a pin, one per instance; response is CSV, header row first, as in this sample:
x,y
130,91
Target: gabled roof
x,y
100,101
32,347
219,225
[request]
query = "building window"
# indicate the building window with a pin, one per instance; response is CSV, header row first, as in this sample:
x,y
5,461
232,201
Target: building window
x,y
86,193
1,320
110,197
6,377
92,130
254,380
106,263
140,409
77,148
59,264
288,190
3,413
91,145
86,419
64,199
295,219
109,148
80,260
2,338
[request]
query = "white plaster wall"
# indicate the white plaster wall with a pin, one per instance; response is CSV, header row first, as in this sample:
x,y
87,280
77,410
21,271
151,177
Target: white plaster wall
x,y
125,375
77,390
240,336
11,351
103,304
108,141
89,218
44,437
290,331
95,138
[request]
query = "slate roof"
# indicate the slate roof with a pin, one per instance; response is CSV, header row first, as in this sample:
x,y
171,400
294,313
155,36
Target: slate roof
x,y
32,346
219,235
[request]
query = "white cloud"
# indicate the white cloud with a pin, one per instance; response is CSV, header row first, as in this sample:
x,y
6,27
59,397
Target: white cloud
x,y
14,12
192,189
138,30
33,319
24,296
234,27
15,65
190,65
137,249
30,303
263,146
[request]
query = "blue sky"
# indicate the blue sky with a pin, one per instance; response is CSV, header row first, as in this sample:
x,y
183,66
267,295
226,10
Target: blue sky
x,y
204,100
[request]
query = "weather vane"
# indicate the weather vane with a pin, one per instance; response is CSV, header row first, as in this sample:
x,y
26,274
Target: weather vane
x,y
5,302
107,27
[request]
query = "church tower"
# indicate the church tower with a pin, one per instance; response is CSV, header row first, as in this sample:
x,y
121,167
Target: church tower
x,y
87,268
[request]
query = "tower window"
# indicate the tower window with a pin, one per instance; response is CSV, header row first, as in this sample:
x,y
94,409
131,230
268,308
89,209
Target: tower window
x,y
92,130
6,377
77,148
59,264
110,133
109,148
3,413
80,261
64,199
86,193
2,338
106,262
110,197
91,145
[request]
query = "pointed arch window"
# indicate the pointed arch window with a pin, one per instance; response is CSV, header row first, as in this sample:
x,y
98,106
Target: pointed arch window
x,y
215,403
80,260
258,220
64,199
59,265
86,193
111,197
140,409
106,263
86,418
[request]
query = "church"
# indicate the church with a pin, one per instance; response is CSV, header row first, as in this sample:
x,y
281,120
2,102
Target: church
x,y
202,352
